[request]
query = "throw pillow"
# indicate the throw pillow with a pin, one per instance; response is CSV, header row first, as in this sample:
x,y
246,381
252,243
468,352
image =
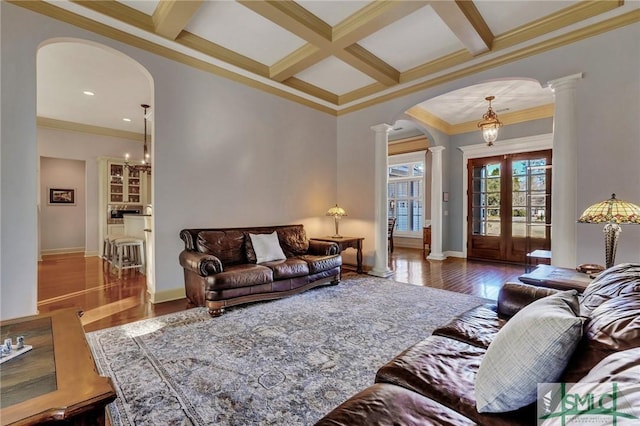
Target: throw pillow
x,y
533,347
267,247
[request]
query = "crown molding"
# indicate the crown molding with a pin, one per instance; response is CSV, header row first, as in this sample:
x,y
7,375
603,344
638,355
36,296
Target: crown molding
x,y
610,24
360,98
52,123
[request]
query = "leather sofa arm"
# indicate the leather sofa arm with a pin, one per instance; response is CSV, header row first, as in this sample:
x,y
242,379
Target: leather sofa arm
x,y
200,263
515,296
323,248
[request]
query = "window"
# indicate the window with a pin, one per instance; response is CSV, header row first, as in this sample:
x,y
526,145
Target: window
x,y
406,196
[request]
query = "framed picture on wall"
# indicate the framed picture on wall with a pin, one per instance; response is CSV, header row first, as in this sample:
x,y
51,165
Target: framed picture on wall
x,y
62,196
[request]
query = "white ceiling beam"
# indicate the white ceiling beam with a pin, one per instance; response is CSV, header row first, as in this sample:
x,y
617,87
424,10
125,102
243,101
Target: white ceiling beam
x,y
464,20
339,41
171,16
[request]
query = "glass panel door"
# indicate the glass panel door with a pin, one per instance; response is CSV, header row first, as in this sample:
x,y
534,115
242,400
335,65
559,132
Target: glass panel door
x,y
509,204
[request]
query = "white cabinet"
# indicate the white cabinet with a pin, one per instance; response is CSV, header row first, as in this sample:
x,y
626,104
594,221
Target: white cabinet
x,y
126,185
115,229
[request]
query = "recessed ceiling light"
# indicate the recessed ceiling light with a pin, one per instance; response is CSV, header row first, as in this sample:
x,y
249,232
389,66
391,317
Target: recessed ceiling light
x,y
88,93
126,119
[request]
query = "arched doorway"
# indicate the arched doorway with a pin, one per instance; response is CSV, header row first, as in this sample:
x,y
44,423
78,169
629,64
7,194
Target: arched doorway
x,y
524,106
89,100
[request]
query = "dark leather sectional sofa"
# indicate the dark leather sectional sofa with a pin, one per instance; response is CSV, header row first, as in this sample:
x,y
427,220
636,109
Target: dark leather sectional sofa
x,y
220,268
434,381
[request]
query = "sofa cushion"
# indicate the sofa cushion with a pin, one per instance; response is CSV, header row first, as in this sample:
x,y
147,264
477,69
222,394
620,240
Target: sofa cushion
x,y
288,268
619,373
245,275
444,370
293,240
266,247
383,404
226,245
613,326
616,323
478,326
533,347
619,279
322,263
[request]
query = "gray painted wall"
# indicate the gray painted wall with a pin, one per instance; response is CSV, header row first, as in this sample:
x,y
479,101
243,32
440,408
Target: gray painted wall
x,y
224,155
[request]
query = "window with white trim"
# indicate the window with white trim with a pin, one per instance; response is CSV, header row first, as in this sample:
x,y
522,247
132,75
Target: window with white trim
x,y
406,196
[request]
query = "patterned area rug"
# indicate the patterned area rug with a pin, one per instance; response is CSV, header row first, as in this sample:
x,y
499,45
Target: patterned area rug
x,y
282,362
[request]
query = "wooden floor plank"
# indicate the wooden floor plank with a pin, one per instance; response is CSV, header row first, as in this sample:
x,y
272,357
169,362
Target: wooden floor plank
x,y
88,284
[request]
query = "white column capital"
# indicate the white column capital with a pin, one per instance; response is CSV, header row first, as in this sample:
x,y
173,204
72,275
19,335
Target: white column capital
x,y
381,128
436,148
568,82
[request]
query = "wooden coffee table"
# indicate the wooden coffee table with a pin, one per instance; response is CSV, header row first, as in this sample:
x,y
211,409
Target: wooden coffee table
x,y
558,278
56,380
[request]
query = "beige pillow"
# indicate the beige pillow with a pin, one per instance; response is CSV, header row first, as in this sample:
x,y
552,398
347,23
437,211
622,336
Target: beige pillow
x,y
267,247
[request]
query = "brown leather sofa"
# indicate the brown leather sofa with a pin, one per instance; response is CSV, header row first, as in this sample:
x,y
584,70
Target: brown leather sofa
x,y
433,382
220,268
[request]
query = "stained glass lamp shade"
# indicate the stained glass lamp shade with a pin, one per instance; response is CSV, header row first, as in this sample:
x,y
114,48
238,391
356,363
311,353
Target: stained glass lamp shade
x,y
337,213
612,213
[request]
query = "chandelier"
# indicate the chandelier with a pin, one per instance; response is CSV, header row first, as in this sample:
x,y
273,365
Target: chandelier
x,y
490,124
145,164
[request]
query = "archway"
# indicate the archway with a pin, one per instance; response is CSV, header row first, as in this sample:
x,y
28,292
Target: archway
x,y
524,106
89,100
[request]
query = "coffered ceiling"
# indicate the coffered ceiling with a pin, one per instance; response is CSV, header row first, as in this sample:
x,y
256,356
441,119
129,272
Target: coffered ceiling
x,y
339,56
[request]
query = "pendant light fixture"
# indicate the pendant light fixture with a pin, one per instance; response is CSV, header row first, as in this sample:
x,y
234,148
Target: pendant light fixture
x,y
145,165
490,124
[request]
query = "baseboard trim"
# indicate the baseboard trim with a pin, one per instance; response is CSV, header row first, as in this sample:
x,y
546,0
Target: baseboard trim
x,y
167,295
67,250
91,253
454,254
417,244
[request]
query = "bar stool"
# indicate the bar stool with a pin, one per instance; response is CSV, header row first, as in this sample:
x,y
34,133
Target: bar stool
x,y
108,247
128,253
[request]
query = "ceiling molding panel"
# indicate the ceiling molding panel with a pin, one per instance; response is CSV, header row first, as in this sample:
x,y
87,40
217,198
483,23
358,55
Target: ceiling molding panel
x,y
171,16
352,33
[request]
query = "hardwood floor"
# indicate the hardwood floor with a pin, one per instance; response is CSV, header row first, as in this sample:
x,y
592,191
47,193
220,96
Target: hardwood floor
x,y
107,300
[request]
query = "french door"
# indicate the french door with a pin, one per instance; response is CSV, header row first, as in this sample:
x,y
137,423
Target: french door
x,y
509,206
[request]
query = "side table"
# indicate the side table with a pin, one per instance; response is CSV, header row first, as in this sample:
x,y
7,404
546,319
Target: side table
x,y
345,243
426,240
57,380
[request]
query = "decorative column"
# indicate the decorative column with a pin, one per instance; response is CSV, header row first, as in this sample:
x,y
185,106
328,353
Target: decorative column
x,y
564,178
381,266
436,204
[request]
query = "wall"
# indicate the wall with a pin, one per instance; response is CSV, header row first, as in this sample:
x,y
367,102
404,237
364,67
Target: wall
x,y
87,148
224,154
62,226
607,111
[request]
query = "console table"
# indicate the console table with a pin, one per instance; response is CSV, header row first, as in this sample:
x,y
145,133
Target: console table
x,y
345,243
56,380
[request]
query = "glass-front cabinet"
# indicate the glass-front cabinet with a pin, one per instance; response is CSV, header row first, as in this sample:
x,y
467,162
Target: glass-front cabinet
x,y
125,185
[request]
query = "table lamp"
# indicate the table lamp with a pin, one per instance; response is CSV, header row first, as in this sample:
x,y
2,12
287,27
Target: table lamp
x,y
337,213
612,213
